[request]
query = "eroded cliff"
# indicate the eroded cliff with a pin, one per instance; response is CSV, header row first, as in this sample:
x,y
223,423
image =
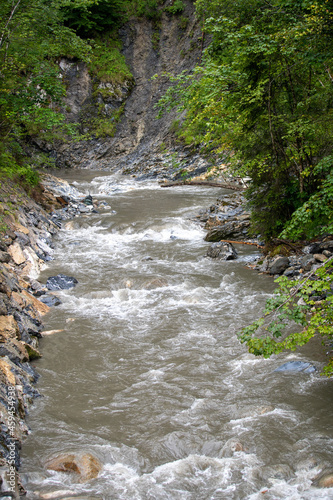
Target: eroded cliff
x,y
171,45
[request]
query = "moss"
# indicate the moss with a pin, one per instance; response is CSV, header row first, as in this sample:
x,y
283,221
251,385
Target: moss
x,y
280,250
155,40
103,126
107,64
183,22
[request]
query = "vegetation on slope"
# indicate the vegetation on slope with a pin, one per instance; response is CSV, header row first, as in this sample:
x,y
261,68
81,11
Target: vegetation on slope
x,y
263,98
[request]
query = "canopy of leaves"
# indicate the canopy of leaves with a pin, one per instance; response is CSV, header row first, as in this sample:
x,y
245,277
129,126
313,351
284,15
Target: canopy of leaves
x,y
88,17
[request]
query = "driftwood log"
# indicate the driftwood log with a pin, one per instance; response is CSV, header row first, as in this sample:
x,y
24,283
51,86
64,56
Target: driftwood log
x,y
224,185
242,243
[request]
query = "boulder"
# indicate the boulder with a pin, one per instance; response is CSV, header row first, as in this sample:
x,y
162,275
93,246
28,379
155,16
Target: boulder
x,y
324,479
4,257
60,187
36,304
279,265
230,230
307,261
33,353
85,465
222,250
61,282
50,300
14,350
8,328
6,373
16,253
320,257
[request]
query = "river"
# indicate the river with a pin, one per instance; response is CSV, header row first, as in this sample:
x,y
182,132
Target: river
x,y
147,373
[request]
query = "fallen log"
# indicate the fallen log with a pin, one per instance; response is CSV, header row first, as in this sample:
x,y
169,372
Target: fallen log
x,y
242,243
224,185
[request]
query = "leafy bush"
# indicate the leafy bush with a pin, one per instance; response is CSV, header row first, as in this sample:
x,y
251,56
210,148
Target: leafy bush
x,y
307,302
146,8
315,216
89,17
107,63
176,7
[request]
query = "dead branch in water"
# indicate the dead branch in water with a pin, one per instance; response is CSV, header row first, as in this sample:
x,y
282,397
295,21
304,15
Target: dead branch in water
x,y
202,183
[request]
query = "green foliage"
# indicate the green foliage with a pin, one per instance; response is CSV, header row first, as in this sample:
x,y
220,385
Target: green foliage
x,y
107,63
264,96
183,22
315,216
101,125
146,8
31,91
89,17
307,302
176,7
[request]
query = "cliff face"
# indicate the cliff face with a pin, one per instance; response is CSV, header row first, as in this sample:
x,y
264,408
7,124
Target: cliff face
x,y
172,45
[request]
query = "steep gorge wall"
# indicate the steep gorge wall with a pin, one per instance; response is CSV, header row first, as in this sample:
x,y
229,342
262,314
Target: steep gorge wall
x,y
172,44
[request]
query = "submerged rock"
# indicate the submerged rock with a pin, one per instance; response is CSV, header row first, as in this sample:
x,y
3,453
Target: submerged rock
x,y
85,465
296,366
50,300
324,479
61,282
155,283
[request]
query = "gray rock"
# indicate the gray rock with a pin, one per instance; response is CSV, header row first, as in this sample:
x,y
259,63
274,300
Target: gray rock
x,y
222,250
296,366
60,187
4,256
61,282
279,265
307,261
50,300
326,245
232,229
291,271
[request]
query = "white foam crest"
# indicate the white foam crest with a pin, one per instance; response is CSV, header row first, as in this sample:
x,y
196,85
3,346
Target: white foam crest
x,y
110,185
84,239
241,424
120,303
145,302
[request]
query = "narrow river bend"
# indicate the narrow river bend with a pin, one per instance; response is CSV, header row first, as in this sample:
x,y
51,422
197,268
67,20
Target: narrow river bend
x,y
148,375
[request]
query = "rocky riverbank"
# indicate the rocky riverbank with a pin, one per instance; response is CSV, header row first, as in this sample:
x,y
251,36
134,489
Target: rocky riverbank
x,y
228,222
27,231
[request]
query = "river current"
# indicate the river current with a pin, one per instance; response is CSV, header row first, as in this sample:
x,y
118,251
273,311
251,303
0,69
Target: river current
x,y
147,373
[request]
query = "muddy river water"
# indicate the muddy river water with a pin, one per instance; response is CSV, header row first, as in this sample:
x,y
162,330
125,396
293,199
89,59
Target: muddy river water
x,y
148,375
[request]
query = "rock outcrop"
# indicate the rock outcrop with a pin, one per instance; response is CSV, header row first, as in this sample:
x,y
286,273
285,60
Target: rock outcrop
x,y
172,45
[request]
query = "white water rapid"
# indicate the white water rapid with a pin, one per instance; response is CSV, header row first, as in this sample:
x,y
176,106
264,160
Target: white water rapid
x,y
147,374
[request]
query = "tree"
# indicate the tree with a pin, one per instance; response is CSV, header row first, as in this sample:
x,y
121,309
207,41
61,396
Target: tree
x,y
89,17
32,37
264,96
